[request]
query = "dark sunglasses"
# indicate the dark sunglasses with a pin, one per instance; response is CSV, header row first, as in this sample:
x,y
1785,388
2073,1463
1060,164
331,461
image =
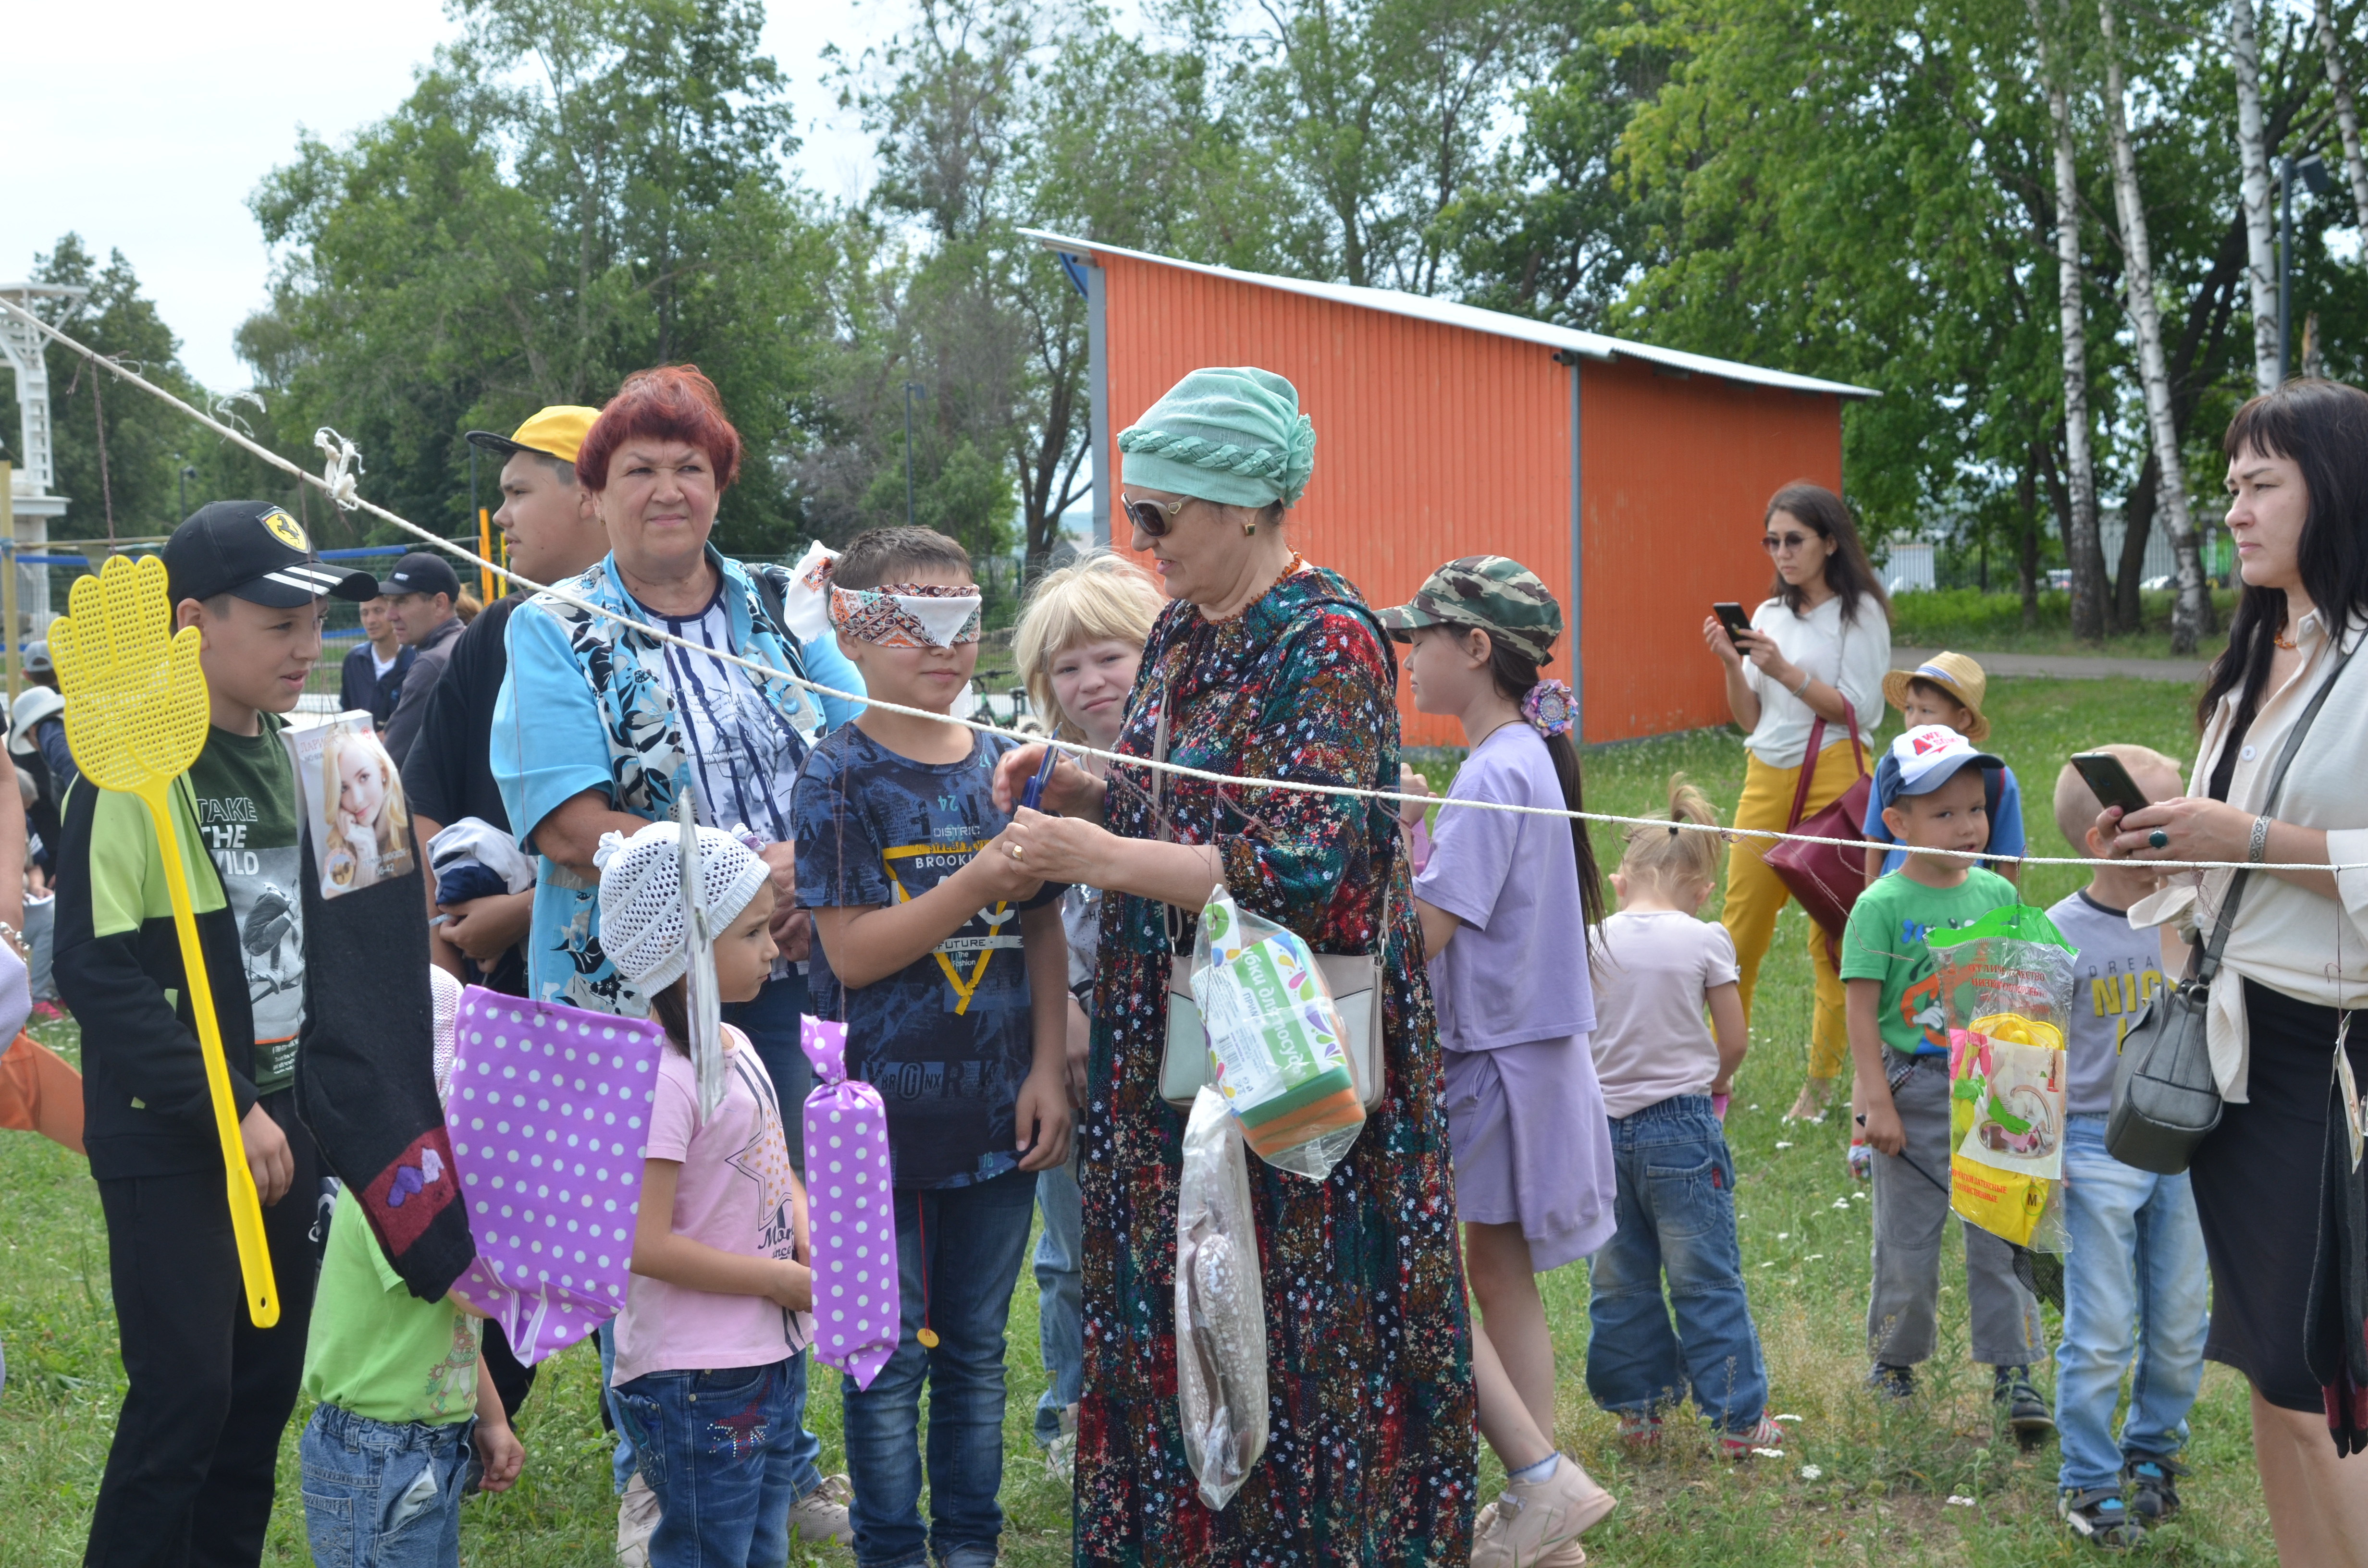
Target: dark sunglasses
x,y
1777,544
1152,517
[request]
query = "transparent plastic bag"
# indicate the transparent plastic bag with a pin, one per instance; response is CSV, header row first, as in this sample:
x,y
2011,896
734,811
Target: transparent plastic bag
x,y
1278,1049
1220,1310
2006,991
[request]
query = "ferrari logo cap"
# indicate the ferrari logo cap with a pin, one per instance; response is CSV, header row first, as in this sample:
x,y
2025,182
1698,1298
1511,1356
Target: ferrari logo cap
x,y
256,551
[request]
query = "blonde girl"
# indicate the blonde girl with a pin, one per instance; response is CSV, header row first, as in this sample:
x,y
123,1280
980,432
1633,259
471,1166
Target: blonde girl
x,y
1078,643
1658,969
368,824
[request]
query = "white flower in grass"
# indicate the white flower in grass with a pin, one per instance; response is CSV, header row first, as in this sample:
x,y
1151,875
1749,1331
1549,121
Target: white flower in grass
x,y
1957,1502
1811,1472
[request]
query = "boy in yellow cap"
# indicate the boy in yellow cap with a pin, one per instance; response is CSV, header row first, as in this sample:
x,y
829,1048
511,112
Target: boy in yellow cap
x,y
1947,689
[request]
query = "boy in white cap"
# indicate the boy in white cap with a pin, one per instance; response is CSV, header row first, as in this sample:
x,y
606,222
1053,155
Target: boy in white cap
x,y
1934,798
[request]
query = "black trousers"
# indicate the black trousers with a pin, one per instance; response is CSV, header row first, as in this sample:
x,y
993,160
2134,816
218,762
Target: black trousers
x,y
189,1475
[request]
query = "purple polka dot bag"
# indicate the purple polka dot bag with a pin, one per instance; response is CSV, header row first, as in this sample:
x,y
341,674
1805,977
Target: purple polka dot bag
x,y
850,1212
548,1116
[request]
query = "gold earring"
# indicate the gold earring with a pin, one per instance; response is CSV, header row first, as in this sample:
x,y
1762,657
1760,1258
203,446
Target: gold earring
x,y
1248,529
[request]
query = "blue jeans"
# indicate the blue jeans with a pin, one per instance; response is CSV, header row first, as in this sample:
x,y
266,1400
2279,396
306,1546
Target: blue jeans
x,y
974,1237
379,1495
769,1019
1060,1297
2134,1284
1676,1215
720,1448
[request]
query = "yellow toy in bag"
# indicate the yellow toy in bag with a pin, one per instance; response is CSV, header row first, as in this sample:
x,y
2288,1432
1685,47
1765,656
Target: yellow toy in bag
x,y
136,717
2006,985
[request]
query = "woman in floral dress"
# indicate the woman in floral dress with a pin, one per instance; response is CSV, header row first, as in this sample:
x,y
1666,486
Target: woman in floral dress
x,y
1266,666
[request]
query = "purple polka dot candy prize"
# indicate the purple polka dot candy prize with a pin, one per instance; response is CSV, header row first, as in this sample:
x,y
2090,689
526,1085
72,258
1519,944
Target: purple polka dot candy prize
x,y
549,1117
850,1212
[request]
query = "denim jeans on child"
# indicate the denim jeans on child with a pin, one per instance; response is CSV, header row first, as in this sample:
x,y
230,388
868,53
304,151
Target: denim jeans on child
x,y
1060,1296
379,1495
1676,1209
2134,1284
1911,1211
721,1450
969,1241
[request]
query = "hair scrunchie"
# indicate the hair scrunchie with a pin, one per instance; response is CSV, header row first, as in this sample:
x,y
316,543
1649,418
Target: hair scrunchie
x,y
1550,707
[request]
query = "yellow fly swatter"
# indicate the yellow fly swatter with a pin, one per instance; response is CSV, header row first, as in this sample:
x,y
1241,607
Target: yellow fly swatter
x,y
136,717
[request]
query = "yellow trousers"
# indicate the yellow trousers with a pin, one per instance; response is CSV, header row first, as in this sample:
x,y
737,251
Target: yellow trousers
x,y
1756,894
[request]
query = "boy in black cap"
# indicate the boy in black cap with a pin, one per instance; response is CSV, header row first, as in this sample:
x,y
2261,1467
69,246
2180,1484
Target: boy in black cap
x,y
189,1474
420,594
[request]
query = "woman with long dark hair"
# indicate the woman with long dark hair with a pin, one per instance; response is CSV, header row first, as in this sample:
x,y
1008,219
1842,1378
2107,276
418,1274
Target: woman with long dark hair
x,y
2269,1176
1817,652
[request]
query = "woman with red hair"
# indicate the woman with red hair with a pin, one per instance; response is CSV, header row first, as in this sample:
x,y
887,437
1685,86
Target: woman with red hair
x,y
601,729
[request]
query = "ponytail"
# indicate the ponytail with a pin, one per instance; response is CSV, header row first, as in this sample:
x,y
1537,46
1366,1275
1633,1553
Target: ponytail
x,y
1515,675
1671,857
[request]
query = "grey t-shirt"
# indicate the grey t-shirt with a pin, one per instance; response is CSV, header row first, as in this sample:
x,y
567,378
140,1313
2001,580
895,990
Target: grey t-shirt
x,y
1653,971
2118,968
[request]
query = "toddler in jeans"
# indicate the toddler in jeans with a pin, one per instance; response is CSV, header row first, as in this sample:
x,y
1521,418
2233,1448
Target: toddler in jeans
x,y
1666,1076
2135,1281
405,1397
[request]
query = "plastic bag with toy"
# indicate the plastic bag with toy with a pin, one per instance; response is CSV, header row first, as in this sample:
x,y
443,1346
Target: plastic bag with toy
x,y
2006,985
1278,1049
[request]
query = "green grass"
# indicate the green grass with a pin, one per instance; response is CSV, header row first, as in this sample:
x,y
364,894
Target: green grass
x,y
1885,1477
1975,622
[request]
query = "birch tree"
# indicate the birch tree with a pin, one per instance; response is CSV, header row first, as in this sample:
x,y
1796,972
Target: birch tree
x,y
2347,113
2253,159
2080,541
2191,610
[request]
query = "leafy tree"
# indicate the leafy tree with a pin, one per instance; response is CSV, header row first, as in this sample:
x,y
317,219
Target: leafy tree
x,y
573,192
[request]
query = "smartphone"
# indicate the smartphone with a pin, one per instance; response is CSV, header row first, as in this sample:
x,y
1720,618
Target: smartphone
x,y
1732,617
2109,781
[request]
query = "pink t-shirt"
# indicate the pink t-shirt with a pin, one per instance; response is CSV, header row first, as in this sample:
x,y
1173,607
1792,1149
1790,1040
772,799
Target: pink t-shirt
x,y
734,1194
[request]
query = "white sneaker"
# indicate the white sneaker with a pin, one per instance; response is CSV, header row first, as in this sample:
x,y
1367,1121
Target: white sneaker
x,y
821,1514
637,1520
1061,1453
1537,1524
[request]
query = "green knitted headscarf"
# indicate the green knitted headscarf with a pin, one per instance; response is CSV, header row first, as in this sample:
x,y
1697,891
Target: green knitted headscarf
x,y
1234,436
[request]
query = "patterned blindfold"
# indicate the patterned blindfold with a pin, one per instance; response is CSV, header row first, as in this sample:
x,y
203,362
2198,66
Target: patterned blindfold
x,y
906,615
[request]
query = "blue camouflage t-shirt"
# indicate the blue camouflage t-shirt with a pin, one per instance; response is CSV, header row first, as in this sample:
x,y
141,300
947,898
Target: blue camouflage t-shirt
x,y
947,1041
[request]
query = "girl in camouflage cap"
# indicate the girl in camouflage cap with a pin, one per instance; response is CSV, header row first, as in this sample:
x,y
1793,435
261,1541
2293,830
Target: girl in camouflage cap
x,y
1509,894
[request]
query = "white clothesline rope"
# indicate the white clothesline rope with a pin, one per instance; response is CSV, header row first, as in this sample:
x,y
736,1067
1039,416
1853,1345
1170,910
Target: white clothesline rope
x,y
338,484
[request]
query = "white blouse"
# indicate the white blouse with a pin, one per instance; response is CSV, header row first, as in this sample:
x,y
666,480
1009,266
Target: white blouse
x,y
1851,655
2292,939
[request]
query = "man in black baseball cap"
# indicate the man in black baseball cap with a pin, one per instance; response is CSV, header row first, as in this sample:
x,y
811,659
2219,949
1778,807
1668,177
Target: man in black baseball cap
x,y
420,594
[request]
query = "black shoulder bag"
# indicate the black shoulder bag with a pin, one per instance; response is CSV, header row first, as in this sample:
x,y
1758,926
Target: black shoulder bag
x,y
2166,1101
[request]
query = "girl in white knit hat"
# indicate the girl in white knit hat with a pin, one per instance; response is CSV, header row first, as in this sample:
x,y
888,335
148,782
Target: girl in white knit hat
x,y
711,1368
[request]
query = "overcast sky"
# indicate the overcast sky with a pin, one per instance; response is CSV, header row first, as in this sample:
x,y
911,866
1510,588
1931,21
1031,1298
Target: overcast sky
x,y
150,139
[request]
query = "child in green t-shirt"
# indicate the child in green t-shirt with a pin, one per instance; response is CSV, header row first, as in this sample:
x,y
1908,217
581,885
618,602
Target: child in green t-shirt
x,y
404,1398
1899,1044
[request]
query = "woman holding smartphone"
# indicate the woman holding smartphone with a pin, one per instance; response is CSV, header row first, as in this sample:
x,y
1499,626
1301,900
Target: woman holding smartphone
x,y
1817,649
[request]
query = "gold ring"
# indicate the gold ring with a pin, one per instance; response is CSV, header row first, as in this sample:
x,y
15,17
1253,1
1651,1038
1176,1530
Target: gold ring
x,y
1017,852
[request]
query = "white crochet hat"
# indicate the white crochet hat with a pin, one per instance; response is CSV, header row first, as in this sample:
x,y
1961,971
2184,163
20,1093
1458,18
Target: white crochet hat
x,y
641,897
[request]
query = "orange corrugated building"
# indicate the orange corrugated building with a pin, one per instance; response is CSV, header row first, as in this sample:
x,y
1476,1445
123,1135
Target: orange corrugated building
x,y
1636,474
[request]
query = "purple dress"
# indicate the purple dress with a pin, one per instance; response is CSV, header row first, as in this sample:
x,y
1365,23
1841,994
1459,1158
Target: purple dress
x,y
1524,1111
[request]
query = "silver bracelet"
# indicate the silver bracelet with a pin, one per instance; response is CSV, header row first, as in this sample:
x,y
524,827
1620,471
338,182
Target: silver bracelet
x,y
2259,849
1807,680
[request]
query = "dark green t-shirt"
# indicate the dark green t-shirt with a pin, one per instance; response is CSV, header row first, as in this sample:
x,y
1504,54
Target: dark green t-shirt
x,y
1886,941
247,810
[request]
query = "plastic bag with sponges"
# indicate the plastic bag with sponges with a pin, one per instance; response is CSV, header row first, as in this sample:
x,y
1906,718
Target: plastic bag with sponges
x,y
1277,1048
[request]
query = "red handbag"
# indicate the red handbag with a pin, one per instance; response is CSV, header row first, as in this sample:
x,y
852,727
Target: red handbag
x,y
1826,878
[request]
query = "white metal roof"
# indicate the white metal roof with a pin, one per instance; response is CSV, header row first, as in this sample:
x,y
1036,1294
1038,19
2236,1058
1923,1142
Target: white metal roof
x,y
1590,345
